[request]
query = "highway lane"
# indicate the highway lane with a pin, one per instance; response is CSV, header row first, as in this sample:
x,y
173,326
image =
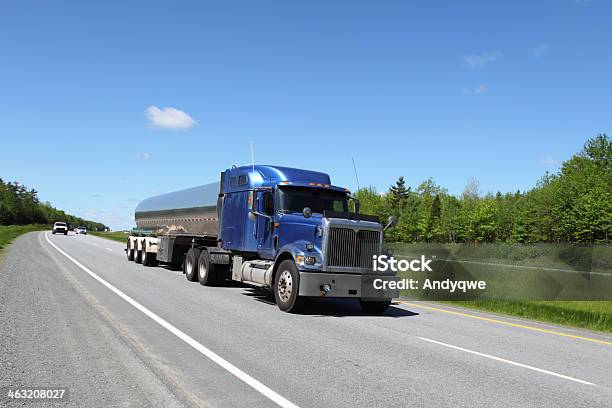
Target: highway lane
x,y
335,355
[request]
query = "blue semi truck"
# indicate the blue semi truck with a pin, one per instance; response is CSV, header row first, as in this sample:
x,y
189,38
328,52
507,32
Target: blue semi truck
x,y
284,229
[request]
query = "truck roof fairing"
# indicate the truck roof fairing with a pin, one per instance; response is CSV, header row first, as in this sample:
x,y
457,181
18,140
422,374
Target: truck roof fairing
x,y
269,176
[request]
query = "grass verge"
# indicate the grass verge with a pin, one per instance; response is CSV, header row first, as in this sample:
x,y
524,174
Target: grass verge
x,y
10,232
115,235
528,271
592,315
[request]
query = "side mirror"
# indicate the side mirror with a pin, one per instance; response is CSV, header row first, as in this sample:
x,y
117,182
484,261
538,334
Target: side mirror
x,y
391,222
268,203
307,212
356,203
252,200
253,204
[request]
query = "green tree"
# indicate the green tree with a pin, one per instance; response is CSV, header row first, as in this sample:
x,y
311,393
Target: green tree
x,y
584,193
399,192
574,205
20,205
434,223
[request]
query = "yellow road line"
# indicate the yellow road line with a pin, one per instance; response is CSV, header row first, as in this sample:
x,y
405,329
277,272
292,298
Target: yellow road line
x,y
522,326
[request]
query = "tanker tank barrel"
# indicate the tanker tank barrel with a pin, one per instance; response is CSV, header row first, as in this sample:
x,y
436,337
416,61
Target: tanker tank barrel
x,y
190,211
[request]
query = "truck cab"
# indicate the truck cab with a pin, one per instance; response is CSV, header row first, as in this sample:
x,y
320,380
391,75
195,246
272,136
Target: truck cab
x,y
293,231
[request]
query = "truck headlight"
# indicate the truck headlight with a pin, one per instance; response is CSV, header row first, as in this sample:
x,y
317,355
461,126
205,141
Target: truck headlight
x,y
307,260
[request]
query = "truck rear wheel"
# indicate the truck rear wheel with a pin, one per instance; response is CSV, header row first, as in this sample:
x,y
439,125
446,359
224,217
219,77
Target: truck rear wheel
x,y
191,264
207,275
287,287
129,252
375,306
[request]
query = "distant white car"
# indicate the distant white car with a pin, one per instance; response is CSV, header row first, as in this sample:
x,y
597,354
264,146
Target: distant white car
x,y
80,230
60,228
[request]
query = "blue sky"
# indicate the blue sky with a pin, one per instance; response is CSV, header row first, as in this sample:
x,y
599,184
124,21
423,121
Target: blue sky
x,y
498,92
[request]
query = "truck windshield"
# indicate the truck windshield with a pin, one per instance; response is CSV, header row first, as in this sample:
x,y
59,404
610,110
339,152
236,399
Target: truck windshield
x,y
294,199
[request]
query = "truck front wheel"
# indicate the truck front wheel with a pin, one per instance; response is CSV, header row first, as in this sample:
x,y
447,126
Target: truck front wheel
x,y
375,306
191,264
287,287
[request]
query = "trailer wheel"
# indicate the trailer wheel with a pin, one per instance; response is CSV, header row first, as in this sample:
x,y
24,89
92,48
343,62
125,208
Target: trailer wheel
x,y
129,252
287,286
138,254
375,306
191,264
149,258
207,275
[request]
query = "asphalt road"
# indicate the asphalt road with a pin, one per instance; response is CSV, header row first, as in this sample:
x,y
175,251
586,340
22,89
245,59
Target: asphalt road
x,y
79,315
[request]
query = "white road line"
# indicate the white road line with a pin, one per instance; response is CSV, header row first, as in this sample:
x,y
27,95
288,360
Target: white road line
x,y
503,360
241,375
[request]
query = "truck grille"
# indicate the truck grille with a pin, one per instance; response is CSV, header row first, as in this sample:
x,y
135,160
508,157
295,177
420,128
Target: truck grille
x,y
353,249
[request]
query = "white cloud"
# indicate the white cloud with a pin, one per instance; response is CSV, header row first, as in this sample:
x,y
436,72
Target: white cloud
x,y
143,156
549,162
169,118
480,60
479,90
539,51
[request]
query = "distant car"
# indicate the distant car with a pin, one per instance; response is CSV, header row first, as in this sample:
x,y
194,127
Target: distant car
x,y
80,230
60,228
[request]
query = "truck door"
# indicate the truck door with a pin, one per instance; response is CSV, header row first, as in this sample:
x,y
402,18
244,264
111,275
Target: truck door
x,y
265,223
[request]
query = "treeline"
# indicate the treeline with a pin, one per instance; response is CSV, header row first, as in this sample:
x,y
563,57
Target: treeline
x,y
20,206
574,205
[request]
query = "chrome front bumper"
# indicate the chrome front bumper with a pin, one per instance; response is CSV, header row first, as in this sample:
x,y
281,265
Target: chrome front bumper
x,y
344,285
